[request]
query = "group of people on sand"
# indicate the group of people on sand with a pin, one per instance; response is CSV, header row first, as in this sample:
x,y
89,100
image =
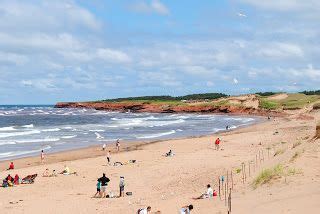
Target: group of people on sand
x,y
102,184
10,181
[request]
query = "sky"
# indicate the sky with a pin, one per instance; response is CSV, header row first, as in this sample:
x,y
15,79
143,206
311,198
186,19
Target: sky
x,y
80,50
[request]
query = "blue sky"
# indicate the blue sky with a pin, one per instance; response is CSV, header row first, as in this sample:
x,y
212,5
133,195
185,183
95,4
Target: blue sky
x,y
70,50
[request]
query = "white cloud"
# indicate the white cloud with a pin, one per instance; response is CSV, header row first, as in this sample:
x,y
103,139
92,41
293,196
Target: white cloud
x,y
113,55
16,59
155,6
285,5
280,50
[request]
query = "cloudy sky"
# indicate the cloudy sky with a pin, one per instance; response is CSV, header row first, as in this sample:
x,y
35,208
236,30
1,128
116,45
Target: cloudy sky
x,y
69,50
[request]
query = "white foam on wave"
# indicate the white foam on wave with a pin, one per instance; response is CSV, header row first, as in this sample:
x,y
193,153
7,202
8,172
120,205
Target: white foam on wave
x,y
38,140
8,128
28,126
156,135
7,143
8,155
51,130
12,134
96,130
69,137
142,123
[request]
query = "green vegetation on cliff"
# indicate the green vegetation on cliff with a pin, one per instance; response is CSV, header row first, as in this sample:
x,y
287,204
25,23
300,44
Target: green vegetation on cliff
x,y
209,96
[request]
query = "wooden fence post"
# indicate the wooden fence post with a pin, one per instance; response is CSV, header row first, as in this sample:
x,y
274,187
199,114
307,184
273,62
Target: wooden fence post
x,y
219,188
231,180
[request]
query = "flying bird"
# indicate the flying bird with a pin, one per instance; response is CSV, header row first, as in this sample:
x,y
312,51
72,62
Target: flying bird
x,y
242,15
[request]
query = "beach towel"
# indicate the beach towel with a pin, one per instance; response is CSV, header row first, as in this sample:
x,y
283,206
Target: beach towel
x,y
29,179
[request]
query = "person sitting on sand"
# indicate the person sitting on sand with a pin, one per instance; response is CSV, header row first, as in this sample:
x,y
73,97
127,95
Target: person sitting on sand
x,y
11,166
98,189
104,183
66,170
186,209
54,173
146,210
9,180
45,173
217,143
207,194
170,153
16,180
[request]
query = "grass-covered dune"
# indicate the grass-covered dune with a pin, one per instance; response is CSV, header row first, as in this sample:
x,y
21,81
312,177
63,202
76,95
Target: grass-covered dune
x,y
259,103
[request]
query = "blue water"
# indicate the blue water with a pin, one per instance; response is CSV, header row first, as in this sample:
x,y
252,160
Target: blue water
x,y
26,130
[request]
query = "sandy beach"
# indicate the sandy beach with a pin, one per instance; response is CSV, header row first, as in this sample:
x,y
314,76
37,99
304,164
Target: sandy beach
x,y
168,183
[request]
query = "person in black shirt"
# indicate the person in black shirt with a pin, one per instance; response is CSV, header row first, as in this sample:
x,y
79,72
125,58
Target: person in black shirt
x,y
104,183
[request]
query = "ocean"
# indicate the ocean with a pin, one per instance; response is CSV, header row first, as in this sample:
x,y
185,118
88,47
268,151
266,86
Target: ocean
x,y
26,130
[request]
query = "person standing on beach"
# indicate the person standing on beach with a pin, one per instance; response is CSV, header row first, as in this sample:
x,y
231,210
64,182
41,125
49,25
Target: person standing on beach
x,y
217,143
118,145
104,183
121,186
108,157
104,147
42,156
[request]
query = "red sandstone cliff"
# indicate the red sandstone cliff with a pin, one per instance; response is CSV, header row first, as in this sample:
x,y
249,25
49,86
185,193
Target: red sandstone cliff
x,y
164,108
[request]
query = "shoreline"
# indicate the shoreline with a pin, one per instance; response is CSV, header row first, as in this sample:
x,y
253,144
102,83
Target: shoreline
x,y
96,150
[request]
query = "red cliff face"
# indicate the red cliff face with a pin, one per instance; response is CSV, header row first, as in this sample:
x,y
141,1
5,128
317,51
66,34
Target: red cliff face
x,y
163,108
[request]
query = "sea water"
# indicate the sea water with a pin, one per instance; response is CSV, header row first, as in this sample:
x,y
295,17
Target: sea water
x,y
26,130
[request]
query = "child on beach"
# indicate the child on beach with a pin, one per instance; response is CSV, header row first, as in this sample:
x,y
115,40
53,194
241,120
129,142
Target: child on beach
x,y
121,186
217,143
98,189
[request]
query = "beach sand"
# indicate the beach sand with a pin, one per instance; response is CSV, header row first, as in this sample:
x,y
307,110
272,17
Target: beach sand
x,y
168,183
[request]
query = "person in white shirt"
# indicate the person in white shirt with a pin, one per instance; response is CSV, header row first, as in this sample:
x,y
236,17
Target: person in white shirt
x,y
186,209
144,210
104,147
207,194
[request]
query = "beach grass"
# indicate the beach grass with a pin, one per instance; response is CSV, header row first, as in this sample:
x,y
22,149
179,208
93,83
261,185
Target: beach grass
x,y
270,174
293,101
267,175
296,144
295,156
298,101
279,152
267,104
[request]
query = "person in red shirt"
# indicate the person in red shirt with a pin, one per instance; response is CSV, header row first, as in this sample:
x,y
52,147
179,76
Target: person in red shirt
x,y
16,180
11,166
217,143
